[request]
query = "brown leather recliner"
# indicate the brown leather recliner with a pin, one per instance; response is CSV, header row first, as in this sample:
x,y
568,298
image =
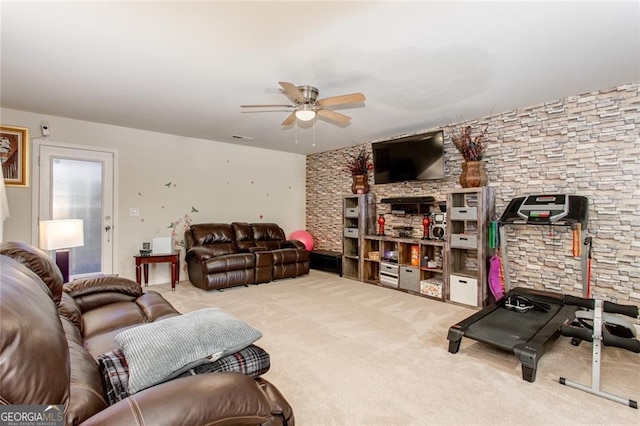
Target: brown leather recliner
x,y
221,255
213,258
290,257
49,340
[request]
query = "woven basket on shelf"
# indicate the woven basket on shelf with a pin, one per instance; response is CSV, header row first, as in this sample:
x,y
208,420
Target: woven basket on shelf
x,y
374,255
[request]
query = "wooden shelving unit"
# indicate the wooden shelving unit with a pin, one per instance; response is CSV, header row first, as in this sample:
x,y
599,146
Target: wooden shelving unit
x,y
358,215
414,277
453,270
469,212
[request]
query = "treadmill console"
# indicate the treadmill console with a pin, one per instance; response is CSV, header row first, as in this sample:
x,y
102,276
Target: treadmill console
x,y
544,208
547,209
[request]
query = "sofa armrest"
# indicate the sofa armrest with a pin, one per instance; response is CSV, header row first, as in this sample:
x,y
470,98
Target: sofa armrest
x,y
198,253
221,398
77,288
294,244
279,404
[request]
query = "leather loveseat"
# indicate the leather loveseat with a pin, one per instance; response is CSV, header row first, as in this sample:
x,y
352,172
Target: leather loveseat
x,y
221,255
52,334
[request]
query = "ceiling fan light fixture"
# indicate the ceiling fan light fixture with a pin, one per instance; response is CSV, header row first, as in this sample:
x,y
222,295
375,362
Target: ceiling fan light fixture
x,y
305,114
306,105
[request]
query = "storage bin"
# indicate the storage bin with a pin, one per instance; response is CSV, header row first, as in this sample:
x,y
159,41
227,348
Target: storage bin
x,y
466,241
351,212
389,268
463,290
351,232
464,213
388,281
409,278
431,288
389,274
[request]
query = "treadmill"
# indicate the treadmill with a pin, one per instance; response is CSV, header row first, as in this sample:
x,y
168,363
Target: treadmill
x,y
505,324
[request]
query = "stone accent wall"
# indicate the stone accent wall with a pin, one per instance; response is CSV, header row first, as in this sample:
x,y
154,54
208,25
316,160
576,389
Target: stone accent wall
x,y
586,145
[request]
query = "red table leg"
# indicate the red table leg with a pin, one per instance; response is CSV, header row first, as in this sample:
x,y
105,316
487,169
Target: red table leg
x,y
138,274
173,258
174,275
146,274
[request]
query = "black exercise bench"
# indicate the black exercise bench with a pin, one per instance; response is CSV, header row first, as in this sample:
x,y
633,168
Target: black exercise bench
x,y
326,260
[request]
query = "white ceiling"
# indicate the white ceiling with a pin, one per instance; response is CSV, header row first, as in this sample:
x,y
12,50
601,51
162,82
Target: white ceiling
x,y
184,67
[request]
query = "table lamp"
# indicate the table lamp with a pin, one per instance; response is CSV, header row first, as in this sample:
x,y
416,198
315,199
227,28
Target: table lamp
x,y
61,235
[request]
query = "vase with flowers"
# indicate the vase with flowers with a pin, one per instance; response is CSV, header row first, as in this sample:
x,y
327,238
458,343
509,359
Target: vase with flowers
x,y
359,166
472,149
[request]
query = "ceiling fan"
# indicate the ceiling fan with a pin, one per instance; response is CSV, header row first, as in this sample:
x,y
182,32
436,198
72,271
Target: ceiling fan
x,y
307,105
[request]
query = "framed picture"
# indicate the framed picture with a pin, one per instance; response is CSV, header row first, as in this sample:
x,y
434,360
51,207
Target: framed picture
x,y
13,155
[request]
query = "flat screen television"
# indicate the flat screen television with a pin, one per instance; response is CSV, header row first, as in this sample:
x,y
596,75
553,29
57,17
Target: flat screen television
x,y
409,158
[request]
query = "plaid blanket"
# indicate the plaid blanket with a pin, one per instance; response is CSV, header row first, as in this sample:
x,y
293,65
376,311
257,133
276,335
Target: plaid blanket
x,y
252,361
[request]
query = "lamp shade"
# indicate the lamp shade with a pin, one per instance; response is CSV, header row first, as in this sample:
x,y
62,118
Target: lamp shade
x,y
305,114
61,234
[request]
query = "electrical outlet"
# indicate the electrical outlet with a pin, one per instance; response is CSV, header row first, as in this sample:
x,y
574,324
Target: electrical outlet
x,y
133,211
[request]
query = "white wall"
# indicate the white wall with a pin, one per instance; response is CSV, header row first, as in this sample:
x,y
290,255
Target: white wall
x,y
222,181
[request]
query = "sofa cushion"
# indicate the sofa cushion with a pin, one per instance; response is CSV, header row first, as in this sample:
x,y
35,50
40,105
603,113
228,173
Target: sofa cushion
x,y
268,235
37,261
92,301
218,237
87,286
155,351
290,256
114,316
244,235
115,313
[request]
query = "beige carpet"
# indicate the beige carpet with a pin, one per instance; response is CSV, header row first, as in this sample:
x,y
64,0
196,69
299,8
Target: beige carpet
x,y
349,353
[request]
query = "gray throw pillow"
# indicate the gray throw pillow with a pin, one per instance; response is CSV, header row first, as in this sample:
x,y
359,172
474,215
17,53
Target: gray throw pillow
x,y
154,351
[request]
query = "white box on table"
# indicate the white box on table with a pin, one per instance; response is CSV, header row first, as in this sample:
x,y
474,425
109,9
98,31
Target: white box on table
x,y
162,245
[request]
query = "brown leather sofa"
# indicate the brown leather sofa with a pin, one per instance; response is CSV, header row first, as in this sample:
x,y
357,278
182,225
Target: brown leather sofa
x,y
51,338
221,255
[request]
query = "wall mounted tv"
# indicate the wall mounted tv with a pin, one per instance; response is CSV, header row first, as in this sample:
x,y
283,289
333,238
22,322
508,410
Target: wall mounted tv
x,y
409,158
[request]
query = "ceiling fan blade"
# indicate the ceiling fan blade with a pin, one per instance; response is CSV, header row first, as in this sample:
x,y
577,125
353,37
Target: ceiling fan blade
x,y
334,116
266,106
292,91
290,119
343,99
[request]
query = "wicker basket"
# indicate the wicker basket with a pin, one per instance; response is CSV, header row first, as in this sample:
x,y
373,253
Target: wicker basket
x,y
374,255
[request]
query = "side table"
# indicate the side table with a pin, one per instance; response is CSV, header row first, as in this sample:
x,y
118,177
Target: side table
x,y
172,258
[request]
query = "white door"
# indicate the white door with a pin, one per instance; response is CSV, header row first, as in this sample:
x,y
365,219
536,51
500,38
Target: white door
x,y
78,183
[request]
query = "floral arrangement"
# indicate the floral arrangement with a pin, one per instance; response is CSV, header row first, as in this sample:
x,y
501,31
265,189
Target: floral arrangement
x,y
471,148
359,164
